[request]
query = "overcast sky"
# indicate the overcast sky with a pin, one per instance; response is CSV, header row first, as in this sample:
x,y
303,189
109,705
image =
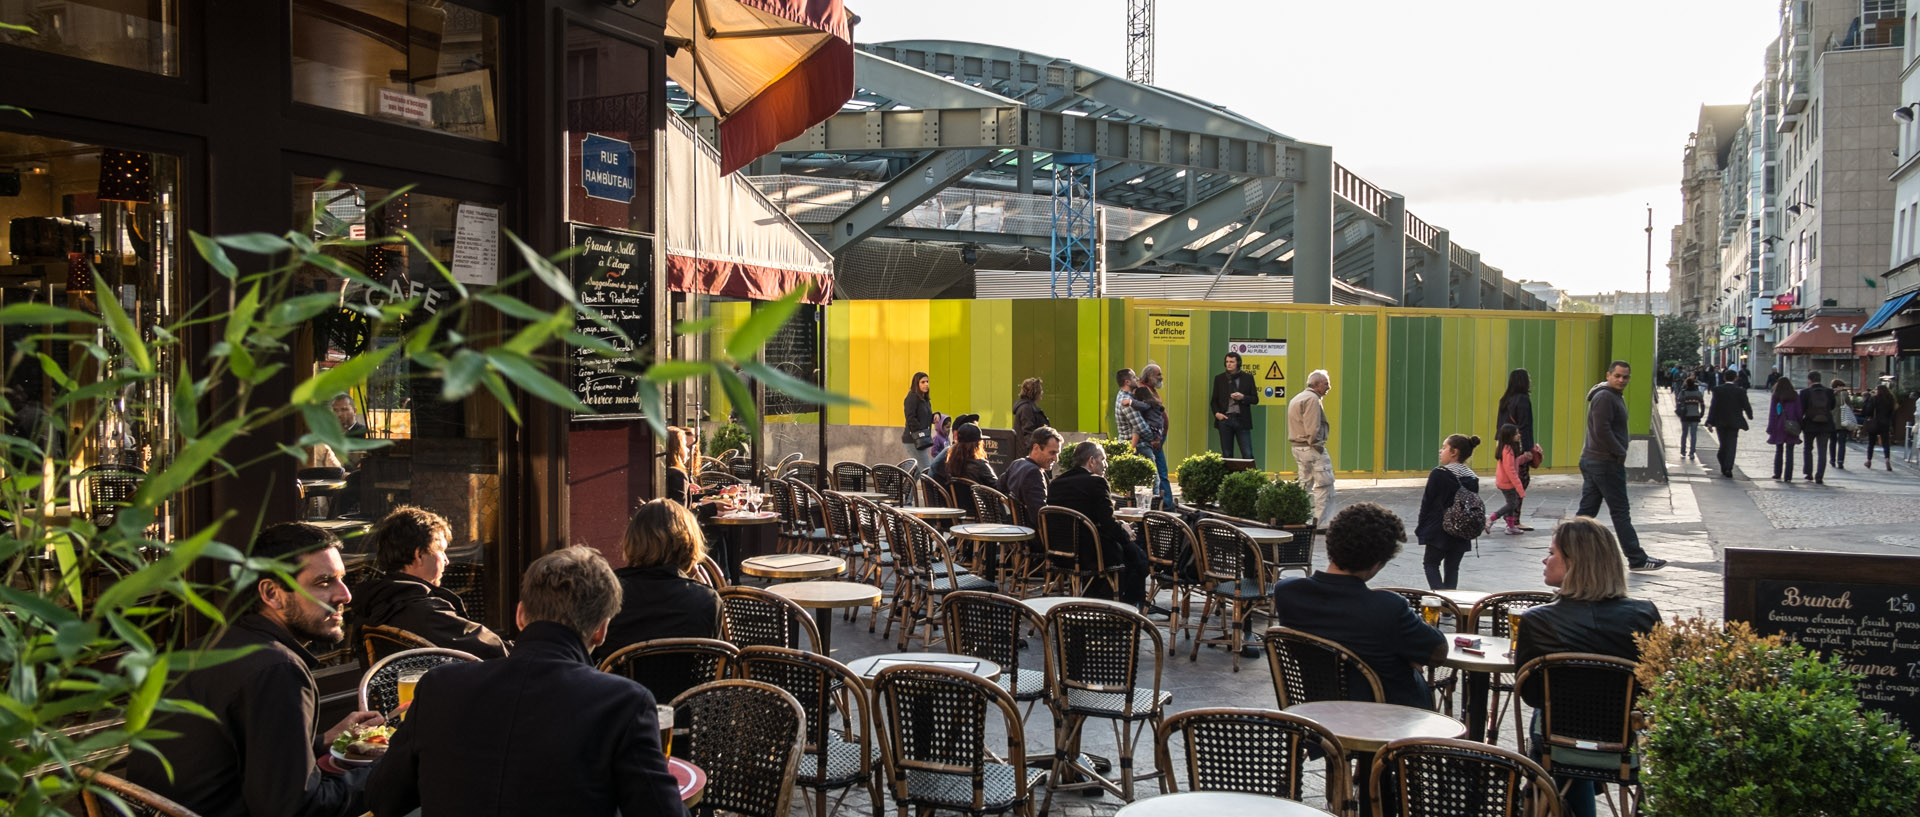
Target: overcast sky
x,y
1536,132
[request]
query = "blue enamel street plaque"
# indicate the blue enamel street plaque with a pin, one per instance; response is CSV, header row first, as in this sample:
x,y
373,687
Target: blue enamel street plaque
x,y
606,168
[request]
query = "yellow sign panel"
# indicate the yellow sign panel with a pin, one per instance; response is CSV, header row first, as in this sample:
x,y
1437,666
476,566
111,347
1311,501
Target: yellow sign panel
x,y
1168,330
1266,360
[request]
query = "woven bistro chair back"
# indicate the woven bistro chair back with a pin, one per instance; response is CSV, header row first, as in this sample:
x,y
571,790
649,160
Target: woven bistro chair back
x,y
928,492
710,479
1233,577
142,801
1431,777
851,476
869,529
380,686
1308,668
1416,598
1251,751
893,481
1075,559
747,736
380,641
751,617
1491,612
1171,564
742,468
992,507
709,573
816,533
934,725
807,471
670,666
838,751
988,625
838,513
1093,671
712,464
1586,720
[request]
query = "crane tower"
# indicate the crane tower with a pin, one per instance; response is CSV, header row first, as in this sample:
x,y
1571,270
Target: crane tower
x,y
1140,41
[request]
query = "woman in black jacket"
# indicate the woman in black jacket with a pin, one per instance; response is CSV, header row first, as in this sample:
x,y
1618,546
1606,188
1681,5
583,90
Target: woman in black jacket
x,y
1879,423
1516,407
662,544
1444,550
918,411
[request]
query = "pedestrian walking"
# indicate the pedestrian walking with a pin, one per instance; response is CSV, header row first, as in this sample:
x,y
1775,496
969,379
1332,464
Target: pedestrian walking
x,y
1817,425
1444,484
1307,430
1603,463
1773,376
1783,427
1690,406
1844,422
1516,407
1879,423
1027,415
1153,427
1234,395
1510,458
1729,415
1744,379
918,409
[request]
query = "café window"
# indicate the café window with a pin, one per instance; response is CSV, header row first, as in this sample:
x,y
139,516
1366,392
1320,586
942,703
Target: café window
x,y
72,209
440,455
143,36
429,64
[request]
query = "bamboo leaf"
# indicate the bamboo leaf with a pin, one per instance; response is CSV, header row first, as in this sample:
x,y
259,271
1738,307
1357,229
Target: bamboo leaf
x,y
534,335
241,318
349,373
763,324
499,389
794,387
738,394
462,374
695,327
215,256
121,326
31,314
509,305
257,243
158,487
527,376
674,371
140,706
653,407
545,270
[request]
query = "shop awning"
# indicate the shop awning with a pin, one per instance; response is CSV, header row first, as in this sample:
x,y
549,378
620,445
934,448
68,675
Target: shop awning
x,y
1878,346
768,69
1887,310
724,238
1821,336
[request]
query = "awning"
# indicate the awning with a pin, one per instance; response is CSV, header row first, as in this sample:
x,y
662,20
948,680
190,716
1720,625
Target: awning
x,y
724,238
768,69
1887,346
1821,336
1889,309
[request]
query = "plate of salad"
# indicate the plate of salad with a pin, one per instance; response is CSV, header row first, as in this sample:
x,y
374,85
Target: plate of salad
x,y
361,745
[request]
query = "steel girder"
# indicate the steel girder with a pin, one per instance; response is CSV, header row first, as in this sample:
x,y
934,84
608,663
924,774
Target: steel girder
x,y
919,182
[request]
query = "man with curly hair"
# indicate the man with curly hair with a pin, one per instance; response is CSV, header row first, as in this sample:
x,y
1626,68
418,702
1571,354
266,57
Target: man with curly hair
x,y
1376,625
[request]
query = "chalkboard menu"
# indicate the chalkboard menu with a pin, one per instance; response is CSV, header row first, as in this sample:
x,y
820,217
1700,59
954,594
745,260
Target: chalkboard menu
x,y
795,350
613,274
1862,608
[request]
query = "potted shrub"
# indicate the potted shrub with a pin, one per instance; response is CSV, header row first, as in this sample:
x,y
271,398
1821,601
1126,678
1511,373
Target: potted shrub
x,y
1743,726
1126,472
1200,476
1240,493
1285,505
729,437
1115,449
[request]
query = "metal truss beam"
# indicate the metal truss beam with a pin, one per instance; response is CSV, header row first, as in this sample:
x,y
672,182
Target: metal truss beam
x,y
1240,203
906,191
920,89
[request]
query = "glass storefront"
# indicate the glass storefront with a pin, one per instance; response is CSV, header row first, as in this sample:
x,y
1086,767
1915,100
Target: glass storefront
x,y
142,36
423,63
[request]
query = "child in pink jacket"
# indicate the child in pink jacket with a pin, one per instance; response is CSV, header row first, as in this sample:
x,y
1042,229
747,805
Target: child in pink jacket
x,y
1506,477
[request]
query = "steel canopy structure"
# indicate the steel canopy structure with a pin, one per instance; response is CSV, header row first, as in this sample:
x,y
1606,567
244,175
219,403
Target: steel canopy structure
x,y
940,133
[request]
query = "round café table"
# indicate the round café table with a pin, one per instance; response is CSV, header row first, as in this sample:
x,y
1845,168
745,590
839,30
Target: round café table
x,y
993,535
871,665
793,566
870,496
1217,804
932,512
1129,514
738,539
1363,727
1042,606
1464,599
1496,656
691,779
824,597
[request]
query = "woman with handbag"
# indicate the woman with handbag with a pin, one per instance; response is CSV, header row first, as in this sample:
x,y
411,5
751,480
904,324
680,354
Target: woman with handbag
x,y
1844,422
1783,427
1690,405
918,408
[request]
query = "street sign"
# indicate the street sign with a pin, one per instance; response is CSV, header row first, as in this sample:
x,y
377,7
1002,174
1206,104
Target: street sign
x,y
606,168
1729,331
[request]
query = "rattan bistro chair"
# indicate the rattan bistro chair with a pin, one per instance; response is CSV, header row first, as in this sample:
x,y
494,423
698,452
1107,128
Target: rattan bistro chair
x,y
929,492
988,625
851,476
752,617
1233,578
380,641
1586,721
380,686
893,481
934,724
806,471
1308,668
839,751
1443,777
1489,615
103,788
1093,671
1170,547
1441,679
747,736
1075,556
670,666
933,572
1252,751
813,533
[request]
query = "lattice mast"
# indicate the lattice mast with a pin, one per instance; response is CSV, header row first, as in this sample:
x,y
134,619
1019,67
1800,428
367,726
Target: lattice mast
x,y
1140,41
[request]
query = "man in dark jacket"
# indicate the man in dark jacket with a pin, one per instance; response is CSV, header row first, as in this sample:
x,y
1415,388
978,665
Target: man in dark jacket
x,y
1728,417
410,548
1376,625
540,731
1234,395
258,759
1084,488
1603,462
1026,480
1817,422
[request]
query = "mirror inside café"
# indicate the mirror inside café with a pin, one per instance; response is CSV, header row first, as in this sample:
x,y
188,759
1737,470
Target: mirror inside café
x,y
436,454
71,210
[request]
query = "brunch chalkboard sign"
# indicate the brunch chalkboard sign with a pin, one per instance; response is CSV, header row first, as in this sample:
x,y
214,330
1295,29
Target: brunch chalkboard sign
x,y
613,275
1863,609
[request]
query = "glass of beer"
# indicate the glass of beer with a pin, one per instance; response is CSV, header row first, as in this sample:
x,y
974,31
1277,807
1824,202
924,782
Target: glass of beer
x,y
665,714
408,680
1430,611
1513,625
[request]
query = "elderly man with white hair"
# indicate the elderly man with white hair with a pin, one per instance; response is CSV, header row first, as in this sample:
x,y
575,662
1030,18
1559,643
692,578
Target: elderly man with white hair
x,y
1307,430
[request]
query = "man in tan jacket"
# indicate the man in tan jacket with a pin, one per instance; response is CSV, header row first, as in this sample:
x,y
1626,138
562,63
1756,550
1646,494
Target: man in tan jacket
x,y
1307,429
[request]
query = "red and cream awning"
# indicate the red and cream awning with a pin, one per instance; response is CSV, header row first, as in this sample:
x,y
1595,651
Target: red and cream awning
x,y
1888,346
768,69
724,238
1822,336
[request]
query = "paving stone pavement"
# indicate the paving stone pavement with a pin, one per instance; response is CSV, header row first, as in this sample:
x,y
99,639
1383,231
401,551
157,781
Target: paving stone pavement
x,y
1689,520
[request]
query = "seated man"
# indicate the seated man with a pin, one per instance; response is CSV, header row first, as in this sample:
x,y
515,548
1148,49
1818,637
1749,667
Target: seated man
x,y
258,758
540,731
410,548
1376,625
1027,477
1084,488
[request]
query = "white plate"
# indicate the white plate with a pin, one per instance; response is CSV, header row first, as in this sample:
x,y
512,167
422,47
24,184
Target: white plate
x,y
344,762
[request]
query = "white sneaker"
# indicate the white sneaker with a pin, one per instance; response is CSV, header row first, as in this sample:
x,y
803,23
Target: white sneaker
x,y
1514,531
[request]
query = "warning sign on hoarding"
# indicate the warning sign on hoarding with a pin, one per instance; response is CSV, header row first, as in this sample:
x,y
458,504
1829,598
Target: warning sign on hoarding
x,y
1266,360
1168,330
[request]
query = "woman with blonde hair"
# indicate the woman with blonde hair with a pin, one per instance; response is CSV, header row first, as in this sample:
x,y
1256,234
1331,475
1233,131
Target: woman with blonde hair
x,y
1590,613
662,544
681,462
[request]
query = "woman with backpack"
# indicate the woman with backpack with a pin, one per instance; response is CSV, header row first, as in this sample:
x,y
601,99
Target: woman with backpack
x,y
1690,405
1451,513
1783,427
